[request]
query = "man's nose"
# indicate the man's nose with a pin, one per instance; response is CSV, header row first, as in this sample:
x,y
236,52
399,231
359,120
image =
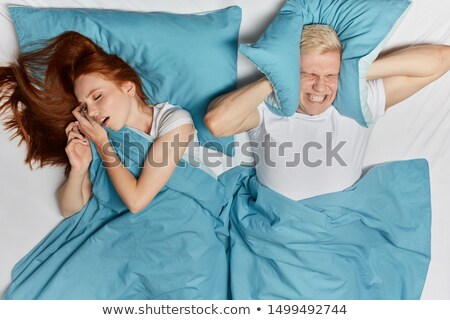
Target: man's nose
x,y
319,84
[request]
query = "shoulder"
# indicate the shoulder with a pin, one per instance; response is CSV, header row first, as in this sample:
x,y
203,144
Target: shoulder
x,y
168,117
376,98
260,112
166,110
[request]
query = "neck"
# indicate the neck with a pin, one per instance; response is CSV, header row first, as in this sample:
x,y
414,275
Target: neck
x,y
301,110
141,117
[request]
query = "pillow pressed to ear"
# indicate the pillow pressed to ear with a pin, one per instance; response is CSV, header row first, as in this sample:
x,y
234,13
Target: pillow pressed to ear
x,y
363,26
185,59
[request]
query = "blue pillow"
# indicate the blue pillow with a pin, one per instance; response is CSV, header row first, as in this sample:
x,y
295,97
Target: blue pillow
x,y
185,59
363,26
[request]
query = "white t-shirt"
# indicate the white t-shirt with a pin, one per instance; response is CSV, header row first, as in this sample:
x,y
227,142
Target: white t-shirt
x,y
303,156
167,117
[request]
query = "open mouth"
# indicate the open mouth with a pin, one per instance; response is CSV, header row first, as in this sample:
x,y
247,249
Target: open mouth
x,y
316,98
104,121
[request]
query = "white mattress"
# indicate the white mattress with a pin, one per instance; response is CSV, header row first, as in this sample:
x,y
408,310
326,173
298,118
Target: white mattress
x,y
417,128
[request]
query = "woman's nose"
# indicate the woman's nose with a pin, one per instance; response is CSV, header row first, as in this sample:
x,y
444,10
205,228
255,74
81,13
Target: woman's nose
x,y
92,111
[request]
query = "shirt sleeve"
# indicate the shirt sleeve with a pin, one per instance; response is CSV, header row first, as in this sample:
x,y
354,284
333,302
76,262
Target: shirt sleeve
x,y
260,108
172,118
376,98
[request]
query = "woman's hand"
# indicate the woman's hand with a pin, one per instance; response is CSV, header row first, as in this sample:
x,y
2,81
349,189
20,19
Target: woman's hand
x,y
90,128
77,149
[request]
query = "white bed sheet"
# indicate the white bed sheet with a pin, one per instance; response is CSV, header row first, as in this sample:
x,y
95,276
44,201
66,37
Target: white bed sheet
x,y
417,128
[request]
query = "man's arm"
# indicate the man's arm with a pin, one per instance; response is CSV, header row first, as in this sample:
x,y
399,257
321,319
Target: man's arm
x,y
406,71
237,112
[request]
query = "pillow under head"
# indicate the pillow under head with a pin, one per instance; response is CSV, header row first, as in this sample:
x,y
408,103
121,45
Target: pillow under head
x,y
185,59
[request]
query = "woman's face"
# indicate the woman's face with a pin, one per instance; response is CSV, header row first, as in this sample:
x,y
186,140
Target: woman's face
x,y
106,103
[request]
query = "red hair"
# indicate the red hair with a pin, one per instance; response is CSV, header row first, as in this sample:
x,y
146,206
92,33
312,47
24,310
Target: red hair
x,y
38,92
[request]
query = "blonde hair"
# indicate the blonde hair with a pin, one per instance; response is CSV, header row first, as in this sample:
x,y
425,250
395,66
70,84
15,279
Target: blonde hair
x,y
319,38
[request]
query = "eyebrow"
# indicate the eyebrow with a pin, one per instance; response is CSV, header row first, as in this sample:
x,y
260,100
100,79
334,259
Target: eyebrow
x,y
91,92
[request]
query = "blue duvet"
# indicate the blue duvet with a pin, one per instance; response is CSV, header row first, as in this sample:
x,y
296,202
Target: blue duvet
x,y
203,238
371,241
173,249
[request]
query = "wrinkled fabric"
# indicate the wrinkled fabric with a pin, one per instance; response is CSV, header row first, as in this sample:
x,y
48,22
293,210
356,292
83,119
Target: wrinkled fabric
x,y
370,241
202,238
185,59
173,249
363,27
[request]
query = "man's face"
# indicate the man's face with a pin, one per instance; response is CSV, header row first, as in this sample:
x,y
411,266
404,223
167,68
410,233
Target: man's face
x,y
318,81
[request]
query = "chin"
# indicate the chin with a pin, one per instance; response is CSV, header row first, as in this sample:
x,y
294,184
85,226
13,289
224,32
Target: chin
x,y
313,110
116,128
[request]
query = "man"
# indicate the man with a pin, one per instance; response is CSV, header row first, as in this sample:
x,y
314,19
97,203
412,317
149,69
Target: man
x,y
317,150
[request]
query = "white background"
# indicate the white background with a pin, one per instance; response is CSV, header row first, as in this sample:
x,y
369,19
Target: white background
x,y
417,128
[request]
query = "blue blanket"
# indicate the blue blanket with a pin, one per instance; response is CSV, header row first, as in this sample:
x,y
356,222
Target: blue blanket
x,y
173,249
371,241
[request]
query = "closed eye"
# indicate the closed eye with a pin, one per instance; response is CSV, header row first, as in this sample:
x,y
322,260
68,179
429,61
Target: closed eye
x,y
308,75
312,76
97,97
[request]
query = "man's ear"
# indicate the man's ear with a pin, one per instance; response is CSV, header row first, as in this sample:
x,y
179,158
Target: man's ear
x,y
129,88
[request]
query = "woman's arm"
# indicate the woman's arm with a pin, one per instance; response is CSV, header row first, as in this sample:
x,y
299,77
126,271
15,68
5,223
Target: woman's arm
x,y
236,112
73,194
406,71
161,161
76,191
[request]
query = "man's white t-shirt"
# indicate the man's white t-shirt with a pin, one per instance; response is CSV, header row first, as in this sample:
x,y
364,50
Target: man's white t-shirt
x,y
302,156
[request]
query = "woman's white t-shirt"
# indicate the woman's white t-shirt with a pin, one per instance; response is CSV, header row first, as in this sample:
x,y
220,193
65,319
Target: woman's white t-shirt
x,y
167,117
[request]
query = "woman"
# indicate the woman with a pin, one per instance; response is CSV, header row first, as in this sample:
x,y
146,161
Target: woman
x,y
70,96
108,93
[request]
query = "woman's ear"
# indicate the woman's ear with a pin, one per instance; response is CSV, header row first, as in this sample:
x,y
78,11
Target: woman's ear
x,y
129,88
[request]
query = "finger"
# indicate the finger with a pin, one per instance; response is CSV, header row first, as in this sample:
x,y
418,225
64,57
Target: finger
x,y
80,106
82,121
70,127
77,141
76,129
90,119
77,114
83,110
80,110
83,132
73,134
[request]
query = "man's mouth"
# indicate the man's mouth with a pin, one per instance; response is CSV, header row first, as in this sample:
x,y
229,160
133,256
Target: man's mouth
x,y
316,98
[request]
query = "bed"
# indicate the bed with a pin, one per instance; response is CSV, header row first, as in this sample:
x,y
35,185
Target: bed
x,y
417,128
